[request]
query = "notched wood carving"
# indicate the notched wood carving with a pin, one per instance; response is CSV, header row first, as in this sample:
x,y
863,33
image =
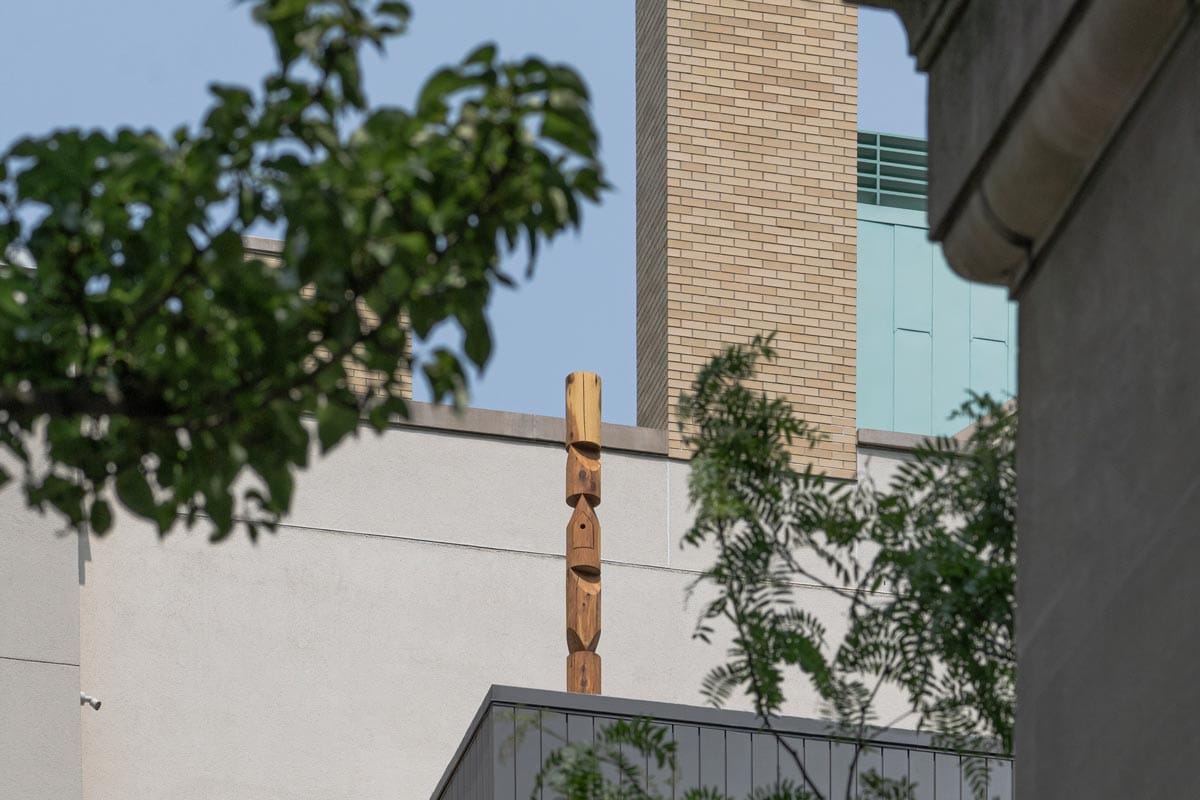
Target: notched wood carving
x,y
583,540
583,532
583,474
583,611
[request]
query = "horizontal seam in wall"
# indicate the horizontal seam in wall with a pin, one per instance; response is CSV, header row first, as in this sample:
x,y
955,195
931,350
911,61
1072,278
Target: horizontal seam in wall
x,y
528,553
39,661
531,439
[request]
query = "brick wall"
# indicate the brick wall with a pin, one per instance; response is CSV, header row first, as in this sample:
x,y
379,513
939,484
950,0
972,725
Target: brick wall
x,y
651,106
746,202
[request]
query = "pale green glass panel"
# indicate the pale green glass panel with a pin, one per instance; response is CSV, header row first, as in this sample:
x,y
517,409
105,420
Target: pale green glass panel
x,y
876,326
913,381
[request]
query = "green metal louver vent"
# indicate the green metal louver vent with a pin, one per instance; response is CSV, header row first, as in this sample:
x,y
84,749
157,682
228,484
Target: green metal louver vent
x,y
892,171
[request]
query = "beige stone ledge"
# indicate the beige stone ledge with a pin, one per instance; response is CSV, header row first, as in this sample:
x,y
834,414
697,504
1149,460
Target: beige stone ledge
x,y
529,427
889,440
261,246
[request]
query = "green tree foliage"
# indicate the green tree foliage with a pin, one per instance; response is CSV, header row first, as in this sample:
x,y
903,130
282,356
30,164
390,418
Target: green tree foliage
x,y
143,357
925,567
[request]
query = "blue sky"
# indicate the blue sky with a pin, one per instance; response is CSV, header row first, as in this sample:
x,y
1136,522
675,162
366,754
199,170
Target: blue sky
x,y
148,62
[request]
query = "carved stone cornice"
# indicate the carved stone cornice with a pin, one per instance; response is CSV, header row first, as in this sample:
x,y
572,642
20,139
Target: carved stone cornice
x,y
927,22
1015,187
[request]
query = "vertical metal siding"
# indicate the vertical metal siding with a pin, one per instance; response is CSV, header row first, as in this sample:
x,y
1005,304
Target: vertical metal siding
x,y
527,751
969,776
639,760
921,772
661,779
999,779
951,342
610,771
841,769
510,744
687,759
789,770
765,760
876,321
473,779
712,759
947,777
869,760
914,378
818,762
554,736
925,336
500,743
581,728
895,764
739,764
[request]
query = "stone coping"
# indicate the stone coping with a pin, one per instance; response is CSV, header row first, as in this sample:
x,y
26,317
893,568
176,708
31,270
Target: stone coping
x,y
889,440
536,428
625,438
502,424
260,245
528,427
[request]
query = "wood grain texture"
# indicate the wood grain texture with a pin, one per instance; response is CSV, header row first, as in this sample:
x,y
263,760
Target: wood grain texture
x,y
583,474
583,540
583,611
583,409
583,532
583,672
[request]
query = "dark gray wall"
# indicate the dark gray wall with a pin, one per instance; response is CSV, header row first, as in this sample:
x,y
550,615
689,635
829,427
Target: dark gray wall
x,y
976,80
726,750
1109,470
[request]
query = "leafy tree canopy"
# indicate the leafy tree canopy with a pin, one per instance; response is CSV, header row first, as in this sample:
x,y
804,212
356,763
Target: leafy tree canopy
x,y
144,357
925,567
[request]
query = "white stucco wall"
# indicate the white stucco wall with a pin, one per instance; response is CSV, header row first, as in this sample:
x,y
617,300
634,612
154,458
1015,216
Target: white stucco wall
x,y
39,656
345,656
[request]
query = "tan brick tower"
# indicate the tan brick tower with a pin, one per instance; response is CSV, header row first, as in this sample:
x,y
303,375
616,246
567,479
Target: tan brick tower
x,y
746,123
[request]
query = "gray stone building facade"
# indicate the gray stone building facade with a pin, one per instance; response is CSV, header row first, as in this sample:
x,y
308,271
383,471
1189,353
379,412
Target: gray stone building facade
x,y
1064,145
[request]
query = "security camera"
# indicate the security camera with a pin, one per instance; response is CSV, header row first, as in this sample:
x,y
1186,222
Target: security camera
x,y
87,699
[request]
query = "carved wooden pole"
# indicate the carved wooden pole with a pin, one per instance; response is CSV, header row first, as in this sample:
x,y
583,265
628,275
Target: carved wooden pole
x,y
583,532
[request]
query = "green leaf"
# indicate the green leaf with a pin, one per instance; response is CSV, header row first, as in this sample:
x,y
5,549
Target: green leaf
x,y
438,88
219,506
484,54
477,339
589,183
381,414
567,78
135,493
569,131
280,483
379,418
398,10
446,377
223,357
101,517
334,422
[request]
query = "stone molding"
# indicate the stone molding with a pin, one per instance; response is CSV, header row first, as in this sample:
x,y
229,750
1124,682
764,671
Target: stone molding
x,y
927,22
1087,84
528,427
